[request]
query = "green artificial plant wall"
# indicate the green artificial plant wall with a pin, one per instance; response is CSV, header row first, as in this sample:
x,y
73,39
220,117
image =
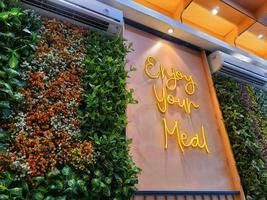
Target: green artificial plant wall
x,y
63,111
244,110
104,117
18,38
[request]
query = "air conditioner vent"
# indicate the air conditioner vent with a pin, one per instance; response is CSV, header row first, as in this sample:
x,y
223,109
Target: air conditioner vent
x,y
67,12
241,77
229,68
232,67
90,14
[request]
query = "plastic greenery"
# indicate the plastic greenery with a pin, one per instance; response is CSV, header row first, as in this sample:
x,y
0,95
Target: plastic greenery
x,y
104,117
244,111
18,37
49,150
43,159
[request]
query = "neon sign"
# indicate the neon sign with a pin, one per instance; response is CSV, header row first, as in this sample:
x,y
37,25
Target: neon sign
x,y
170,80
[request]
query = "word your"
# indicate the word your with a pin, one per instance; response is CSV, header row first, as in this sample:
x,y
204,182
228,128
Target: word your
x,y
162,101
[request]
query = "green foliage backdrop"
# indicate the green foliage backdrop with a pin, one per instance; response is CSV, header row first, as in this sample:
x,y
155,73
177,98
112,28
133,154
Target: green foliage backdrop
x,y
63,101
104,117
244,110
17,43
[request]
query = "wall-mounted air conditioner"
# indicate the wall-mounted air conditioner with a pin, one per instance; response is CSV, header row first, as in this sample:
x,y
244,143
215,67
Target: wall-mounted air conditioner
x,y
88,13
232,67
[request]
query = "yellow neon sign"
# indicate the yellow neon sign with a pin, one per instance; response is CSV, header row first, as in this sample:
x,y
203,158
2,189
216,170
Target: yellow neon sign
x,y
170,81
183,140
162,101
174,76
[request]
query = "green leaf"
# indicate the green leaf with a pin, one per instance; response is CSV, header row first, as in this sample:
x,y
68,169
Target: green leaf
x,y
12,73
56,185
13,61
81,183
3,57
61,198
106,191
4,197
108,180
8,35
2,187
66,171
42,189
18,97
3,16
71,182
5,85
16,192
16,83
6,88
34,37
50,198
38,196
96,183
97,173
54,172
2,74
4,104
39,179
15,12
125,190
68,190
4,135
2,5
7,91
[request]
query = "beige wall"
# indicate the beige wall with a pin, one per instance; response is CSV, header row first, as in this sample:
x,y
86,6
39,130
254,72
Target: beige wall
x,y
171,169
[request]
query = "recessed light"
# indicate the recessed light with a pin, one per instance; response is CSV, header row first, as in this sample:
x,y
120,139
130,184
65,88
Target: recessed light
x,y
215,11
260,36
170,30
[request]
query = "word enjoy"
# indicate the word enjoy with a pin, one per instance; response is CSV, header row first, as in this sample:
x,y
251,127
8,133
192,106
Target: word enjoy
x,y
172,77
170,80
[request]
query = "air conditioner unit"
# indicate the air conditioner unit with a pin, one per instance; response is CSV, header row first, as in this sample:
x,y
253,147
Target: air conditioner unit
x,y
232,67
88,13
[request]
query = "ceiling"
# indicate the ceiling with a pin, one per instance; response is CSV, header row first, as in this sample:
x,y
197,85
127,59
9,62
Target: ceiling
x,y
249,5
241,23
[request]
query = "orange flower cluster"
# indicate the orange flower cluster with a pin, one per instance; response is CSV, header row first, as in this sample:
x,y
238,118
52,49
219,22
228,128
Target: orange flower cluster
x,y
45,131
5,160
61,36
53,99
42,153
81,156
36,80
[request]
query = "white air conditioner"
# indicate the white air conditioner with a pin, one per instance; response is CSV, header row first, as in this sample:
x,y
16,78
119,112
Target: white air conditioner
x,y
232,67
88,13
